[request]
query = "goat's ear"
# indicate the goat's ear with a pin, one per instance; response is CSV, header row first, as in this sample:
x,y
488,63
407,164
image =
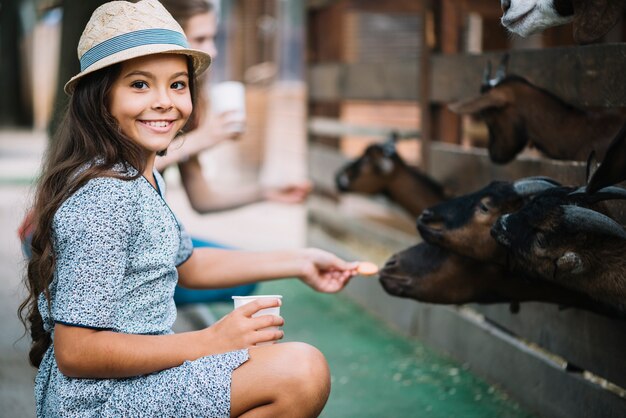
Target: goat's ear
x,y
592,165
570,263
491,99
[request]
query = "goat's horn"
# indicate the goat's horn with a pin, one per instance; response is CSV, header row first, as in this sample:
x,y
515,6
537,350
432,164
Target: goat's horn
x,y
591,221
532,185
606,193
504,63
394,136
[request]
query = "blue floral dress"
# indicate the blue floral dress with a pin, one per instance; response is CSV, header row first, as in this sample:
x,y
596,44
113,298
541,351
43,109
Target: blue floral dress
x,y
117,245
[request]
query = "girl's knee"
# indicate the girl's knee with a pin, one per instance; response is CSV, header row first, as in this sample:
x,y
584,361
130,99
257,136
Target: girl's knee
x,y
308,370
296,377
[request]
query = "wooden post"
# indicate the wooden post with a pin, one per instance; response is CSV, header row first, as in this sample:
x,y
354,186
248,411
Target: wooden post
x,y
446,125
424,82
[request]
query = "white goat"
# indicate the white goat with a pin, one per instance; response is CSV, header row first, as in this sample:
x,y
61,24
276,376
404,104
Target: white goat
x,y
526,17
592,18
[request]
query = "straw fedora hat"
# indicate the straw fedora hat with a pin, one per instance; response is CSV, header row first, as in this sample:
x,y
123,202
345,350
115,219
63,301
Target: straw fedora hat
x,y
121,30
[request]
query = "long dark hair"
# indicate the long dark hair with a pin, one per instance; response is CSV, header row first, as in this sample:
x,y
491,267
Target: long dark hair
x,y
89,139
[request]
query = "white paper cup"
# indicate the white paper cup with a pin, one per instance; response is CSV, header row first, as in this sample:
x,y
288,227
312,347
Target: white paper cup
x,y
230,96
242,300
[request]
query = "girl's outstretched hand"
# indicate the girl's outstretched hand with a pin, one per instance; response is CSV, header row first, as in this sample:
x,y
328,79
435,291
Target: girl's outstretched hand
x,y
325,272
291,193
239,329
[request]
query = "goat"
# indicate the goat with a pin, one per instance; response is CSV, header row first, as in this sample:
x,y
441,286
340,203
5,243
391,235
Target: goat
x,y
463,224
561,240
431,274
518,113
381,170
592,18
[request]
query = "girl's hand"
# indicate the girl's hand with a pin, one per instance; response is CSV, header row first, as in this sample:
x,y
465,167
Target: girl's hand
x,y
290,193
225,126
238,329
325,272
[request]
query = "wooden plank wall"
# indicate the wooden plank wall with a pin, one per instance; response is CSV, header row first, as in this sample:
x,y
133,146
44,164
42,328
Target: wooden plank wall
x,y
588,76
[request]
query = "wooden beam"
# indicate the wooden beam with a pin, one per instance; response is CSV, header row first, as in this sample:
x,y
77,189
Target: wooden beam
x,y
335,127
320,4
567,333
388,81
584,76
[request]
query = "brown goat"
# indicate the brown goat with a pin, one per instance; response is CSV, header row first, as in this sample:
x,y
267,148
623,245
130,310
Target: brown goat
x,y
428,273
381,170
518,113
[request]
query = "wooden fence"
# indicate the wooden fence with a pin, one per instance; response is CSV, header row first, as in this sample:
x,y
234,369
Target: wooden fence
x,y
559,363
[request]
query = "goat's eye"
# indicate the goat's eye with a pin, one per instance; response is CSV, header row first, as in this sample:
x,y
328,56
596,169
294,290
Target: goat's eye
x,y
482,207
540,241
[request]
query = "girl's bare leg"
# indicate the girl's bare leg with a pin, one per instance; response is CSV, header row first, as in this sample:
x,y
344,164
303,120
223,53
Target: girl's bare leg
x,y
281,380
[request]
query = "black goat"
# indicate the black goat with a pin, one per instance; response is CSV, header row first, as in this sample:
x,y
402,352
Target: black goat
x,y
381,170
428,273
592,18
518,113
463,224
558,239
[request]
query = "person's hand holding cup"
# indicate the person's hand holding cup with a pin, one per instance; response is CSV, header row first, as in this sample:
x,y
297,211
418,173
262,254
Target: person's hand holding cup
x,y
228,107
240,301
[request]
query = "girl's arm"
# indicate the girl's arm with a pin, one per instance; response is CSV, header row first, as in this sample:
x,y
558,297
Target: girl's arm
x,y
204,199
215,268
88,353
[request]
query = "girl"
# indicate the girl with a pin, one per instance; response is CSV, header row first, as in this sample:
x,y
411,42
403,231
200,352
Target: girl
x,y
107,253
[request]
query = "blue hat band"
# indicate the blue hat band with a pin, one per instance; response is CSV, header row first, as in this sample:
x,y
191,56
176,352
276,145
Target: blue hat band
x,y
131,40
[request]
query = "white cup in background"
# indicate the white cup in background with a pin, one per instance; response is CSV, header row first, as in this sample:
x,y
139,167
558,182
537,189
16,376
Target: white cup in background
x,y
230,96
242,300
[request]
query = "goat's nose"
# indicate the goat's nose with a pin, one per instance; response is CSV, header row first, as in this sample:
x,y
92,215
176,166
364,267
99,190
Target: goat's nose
x,y
505,4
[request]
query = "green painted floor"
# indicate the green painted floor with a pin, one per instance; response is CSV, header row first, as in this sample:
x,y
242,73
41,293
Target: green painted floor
x,y
376,372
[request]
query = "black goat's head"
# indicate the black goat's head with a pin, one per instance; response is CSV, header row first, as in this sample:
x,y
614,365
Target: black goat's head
x,y
557,236
463,224
371,172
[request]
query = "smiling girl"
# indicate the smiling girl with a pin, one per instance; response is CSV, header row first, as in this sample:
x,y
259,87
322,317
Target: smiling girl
x,y
108,252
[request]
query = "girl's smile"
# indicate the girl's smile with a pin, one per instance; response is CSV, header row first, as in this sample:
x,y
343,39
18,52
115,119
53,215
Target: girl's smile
x,y
151,100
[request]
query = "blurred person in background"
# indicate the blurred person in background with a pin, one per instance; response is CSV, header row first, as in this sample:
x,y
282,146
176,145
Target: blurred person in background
x,y
198,18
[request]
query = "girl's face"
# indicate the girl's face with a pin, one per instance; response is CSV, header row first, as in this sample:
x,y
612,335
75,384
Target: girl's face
x,y
151,100
200,31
